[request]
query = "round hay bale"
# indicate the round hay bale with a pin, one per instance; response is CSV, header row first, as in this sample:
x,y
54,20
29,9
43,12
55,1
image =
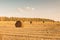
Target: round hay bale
x,y
43,21
30,22
18,24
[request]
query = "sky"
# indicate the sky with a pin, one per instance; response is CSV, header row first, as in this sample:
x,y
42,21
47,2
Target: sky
x,y
49,9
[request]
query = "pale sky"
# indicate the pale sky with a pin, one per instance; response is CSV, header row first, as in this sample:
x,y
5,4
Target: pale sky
x,y
49,9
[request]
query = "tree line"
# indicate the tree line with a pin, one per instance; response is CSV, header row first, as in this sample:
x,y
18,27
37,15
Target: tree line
x,y
23,19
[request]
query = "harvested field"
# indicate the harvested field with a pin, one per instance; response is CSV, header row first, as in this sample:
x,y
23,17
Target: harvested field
x,y
42,31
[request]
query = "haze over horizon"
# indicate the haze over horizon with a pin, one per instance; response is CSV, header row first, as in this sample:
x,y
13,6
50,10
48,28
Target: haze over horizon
x,y
49,9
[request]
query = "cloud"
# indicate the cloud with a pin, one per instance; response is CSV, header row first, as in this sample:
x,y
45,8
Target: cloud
x,y
26,10
29,8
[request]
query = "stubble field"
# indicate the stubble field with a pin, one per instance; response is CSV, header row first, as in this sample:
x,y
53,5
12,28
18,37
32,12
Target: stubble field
x,y
34,31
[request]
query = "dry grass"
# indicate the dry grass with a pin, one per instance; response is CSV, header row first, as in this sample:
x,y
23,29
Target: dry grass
x,y
34,31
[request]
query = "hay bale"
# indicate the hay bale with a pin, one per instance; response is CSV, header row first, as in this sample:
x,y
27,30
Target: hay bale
x,y
18,24
30,22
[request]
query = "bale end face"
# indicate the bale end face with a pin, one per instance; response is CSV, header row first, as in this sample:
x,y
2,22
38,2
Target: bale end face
x,y
18,24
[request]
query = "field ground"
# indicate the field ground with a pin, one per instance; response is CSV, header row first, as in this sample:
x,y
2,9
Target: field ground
x,y
39,31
